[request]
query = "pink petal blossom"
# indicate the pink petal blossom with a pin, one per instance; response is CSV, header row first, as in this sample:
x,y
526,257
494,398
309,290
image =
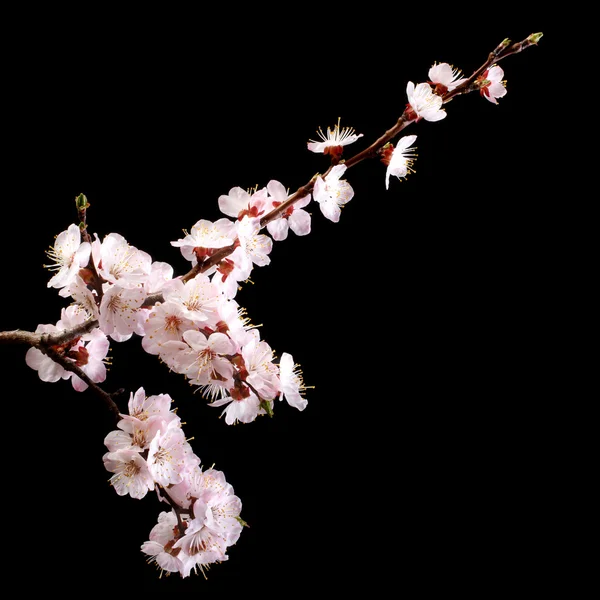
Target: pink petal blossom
x,y
119,310
166,322
169,455
205,357
131,473
198,298
160,546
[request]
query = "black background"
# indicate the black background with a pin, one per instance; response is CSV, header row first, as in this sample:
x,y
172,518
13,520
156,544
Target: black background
x,y
426,455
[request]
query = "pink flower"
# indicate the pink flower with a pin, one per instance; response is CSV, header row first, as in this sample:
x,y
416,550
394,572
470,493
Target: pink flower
x,y
161,545
119,310
169,455
198,298
166,322
204,359
131,473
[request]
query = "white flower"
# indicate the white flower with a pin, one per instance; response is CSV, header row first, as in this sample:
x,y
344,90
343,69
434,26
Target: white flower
x,y
262,373
161,545
160,274
445,76
80,292
219,511
334,140
204,359
244,410
230,271
119,262
119,310
401,159
491,84
131,474
293,218
424,103
170,455
332,192
239,203
256,245
206,236
292,384
69,255
202,544
47,369
198,298
89,354
165,323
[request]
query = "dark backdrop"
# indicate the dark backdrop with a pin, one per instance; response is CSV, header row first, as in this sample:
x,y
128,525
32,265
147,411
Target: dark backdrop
x,y
423,456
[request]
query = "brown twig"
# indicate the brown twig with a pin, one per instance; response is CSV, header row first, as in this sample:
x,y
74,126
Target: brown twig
x,y
44,340
71,366
49,344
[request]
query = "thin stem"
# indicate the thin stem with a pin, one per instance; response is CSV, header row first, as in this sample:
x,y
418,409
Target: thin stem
x,y
70,366
49,344
161,491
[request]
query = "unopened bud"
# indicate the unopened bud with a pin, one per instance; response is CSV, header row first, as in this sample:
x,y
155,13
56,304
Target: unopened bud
x,y
534,38
81,202
505,43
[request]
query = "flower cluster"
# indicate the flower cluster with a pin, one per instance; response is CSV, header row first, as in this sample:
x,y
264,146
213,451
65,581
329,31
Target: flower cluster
x,y
149,452
87,351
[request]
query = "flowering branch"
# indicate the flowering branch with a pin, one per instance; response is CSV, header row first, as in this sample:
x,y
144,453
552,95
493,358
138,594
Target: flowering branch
x,y
504,49
194,325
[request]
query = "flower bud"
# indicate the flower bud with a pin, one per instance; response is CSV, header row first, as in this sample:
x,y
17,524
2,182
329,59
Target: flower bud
x,y
534,38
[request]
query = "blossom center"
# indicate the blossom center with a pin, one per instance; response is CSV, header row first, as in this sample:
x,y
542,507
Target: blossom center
x,y
131,469
172,323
